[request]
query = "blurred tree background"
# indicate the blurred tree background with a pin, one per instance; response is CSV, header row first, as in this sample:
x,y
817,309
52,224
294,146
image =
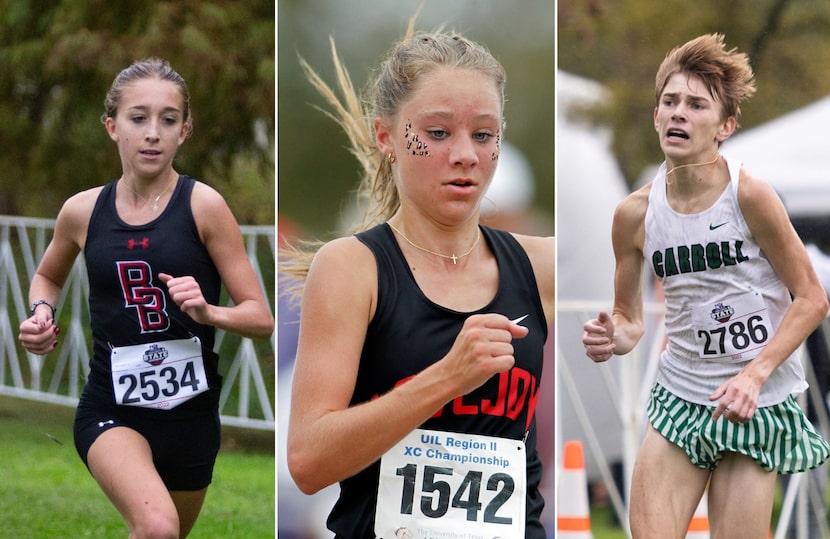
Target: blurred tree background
x,y
620,43
59,59
317,174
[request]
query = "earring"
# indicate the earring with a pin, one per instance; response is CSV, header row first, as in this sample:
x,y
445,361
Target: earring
x,y
391,157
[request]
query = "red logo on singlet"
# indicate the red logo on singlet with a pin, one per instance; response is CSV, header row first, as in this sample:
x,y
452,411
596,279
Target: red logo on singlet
x,y
144,243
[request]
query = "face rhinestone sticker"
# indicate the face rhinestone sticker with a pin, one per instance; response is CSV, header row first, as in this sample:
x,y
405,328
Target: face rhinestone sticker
x,y
412,139
495,155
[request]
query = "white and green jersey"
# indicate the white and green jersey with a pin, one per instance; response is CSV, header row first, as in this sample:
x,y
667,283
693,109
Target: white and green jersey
x,y
724,301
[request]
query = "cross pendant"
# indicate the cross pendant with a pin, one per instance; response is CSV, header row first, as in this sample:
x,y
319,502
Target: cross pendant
x,y
454,258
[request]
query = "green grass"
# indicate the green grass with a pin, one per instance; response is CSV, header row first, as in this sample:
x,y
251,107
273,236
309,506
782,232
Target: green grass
x,y
46,491
603,525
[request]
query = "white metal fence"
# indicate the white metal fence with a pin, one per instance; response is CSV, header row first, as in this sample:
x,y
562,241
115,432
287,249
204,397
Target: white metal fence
x,y
248,394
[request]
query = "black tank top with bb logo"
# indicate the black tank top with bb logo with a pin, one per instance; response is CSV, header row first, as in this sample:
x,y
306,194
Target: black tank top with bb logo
x,y
128,303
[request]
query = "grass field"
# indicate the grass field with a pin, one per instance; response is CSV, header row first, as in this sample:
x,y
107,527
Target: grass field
x,y
603,525
46,491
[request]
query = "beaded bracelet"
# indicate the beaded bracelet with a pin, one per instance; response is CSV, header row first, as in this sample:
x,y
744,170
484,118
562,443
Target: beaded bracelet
x,y
40,302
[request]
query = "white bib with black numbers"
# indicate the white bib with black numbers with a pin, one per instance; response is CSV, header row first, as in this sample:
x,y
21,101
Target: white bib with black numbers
x,y
733,331
437,484
158,375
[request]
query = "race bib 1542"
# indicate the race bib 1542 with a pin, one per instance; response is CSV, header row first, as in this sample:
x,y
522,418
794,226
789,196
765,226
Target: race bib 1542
x,y
437,484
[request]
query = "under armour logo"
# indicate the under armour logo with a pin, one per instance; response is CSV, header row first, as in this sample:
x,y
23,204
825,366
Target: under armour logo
x,y
144,243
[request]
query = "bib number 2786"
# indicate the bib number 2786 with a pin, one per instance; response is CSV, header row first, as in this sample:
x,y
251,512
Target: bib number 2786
x,y
732,330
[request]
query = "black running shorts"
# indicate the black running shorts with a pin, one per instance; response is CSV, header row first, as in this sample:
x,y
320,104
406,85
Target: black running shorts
x,y
184,445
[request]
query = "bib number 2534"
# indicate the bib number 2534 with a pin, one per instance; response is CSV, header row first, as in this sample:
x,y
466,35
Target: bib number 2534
x,y
158,375
148,386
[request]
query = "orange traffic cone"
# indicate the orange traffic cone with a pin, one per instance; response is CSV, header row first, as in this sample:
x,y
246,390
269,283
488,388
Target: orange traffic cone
x,y
699,525
573,518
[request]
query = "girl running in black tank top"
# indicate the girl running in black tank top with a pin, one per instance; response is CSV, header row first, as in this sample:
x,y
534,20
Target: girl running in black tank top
x,y
157,246
420,347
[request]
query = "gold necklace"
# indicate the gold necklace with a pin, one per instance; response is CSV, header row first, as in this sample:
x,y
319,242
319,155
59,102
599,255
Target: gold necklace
x,y
717,155
155,204
452,257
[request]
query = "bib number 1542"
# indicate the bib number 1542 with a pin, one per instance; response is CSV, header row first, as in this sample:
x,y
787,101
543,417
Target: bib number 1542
x,y
438,495
450,484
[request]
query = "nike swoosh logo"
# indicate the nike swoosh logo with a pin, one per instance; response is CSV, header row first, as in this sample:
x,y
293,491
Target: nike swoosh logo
x,y
714,227
517,320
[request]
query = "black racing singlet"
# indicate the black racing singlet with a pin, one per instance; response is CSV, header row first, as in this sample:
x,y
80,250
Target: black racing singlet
x,y
129,305
409,332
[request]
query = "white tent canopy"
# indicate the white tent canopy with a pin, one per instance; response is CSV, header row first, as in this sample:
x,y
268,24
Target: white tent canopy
x,y
589,185
791,153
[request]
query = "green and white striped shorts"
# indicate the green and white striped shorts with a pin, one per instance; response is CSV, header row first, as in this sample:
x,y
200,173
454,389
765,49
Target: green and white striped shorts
x,y
778,437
